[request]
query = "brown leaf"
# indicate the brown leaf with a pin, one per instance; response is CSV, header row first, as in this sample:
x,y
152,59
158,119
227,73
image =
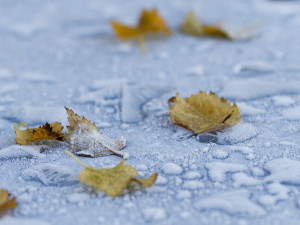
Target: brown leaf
x,y
114,180
6,202
203,112
193,26
149,22
47,131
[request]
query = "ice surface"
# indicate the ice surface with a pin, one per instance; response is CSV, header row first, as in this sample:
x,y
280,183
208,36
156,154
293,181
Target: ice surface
x,y
17,221
64,53
232,202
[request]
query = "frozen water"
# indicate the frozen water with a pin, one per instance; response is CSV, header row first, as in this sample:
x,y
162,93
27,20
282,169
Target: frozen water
x,y
64,53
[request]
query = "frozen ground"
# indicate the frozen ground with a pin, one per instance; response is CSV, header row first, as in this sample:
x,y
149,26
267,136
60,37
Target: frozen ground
x,y
63,53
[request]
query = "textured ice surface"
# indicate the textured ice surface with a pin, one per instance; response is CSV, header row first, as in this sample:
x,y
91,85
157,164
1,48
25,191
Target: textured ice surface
x,y
64,53
51,174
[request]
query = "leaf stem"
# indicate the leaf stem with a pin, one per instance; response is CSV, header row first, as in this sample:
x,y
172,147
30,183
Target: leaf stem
x,y
77,160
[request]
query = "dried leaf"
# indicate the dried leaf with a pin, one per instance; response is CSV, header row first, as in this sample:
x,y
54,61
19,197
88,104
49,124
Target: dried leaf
x,y
203,112
47,131
193,26
114,180
149,22
87,141
6,202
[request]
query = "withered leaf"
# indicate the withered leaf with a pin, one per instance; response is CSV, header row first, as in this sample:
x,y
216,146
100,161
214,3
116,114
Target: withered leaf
x,y
203,112
114,180
86,140
149,22
47,131
6,202
193,26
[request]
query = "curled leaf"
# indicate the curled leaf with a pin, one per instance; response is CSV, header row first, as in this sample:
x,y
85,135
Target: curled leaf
x,y
6,202
86,140
47,131
193,26
203,112
114,180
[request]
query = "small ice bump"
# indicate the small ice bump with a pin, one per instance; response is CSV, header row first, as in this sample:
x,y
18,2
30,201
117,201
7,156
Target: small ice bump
x,y
172,169
161,180
277,192
241,179
257,172
193,185
195,71
124,48
154,214
249,110
253,68
281,100
192,175
283,170
5,73
291,113
141,167
78,197
219,154
183,195
235,202
217,170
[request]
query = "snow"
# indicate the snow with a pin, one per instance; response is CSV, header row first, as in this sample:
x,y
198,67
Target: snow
x,y
64,53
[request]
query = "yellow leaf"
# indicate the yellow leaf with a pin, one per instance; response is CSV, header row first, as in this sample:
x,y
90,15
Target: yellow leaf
x,y
203,112
114,180
86,140
47,131
193,26
6,202
149,22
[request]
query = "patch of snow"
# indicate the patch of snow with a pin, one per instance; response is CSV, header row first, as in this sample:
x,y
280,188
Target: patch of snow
x,y
78,197
195,71
249,110
5,73
278,192
24,221
161,180
257,172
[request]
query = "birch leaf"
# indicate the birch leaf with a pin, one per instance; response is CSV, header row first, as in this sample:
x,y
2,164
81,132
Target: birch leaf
x,y
6,202
193,26
149,22
203,112
86,140
114,180
47,131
